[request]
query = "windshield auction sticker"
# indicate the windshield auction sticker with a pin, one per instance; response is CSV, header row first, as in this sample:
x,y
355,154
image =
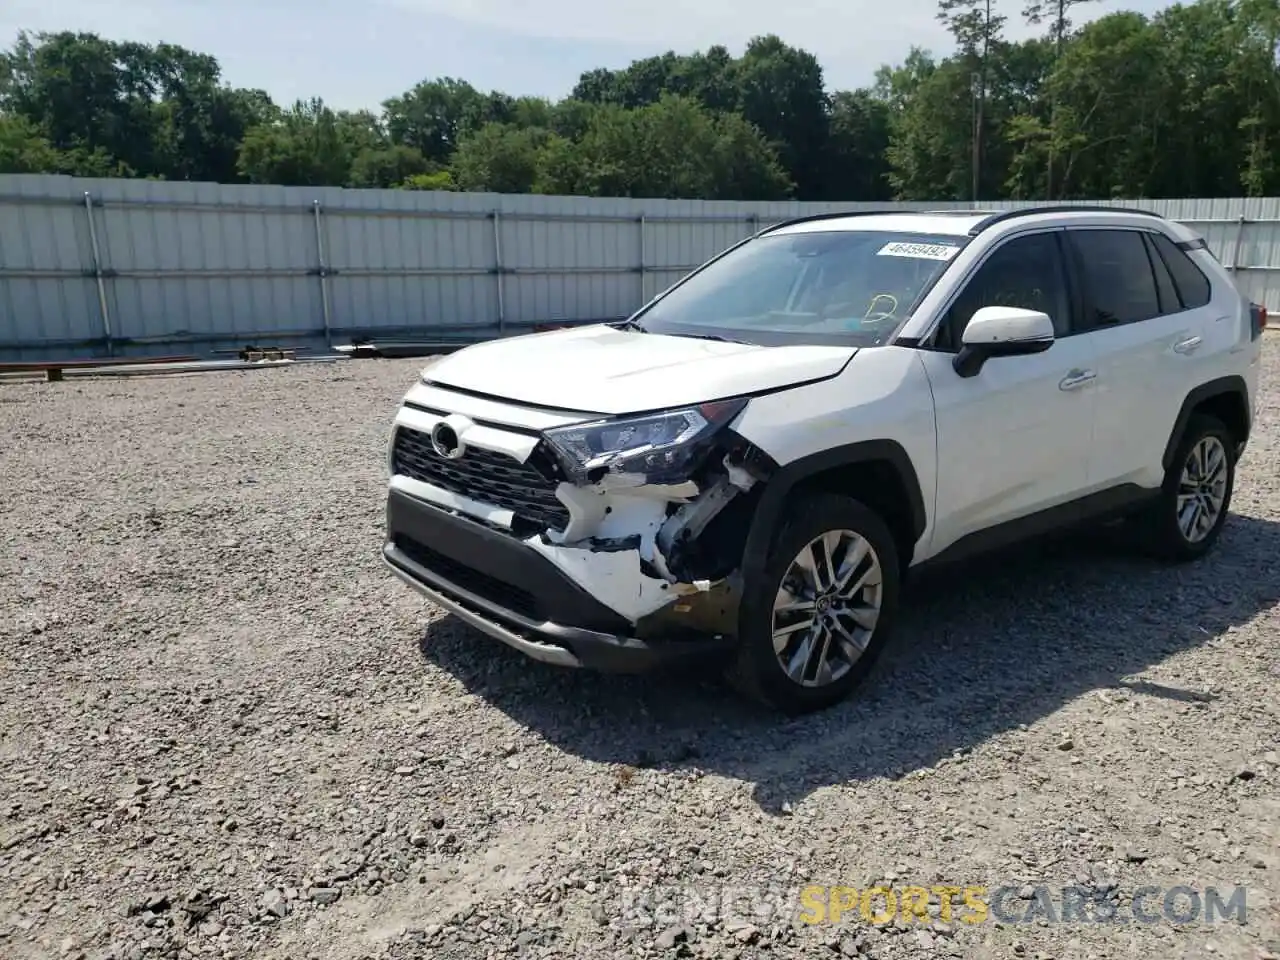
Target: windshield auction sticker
x,y
920,251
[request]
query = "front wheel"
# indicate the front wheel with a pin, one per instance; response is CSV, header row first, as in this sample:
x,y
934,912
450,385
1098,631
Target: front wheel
x,y
819,613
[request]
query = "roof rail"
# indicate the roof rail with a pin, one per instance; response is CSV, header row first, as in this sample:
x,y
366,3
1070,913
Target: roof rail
x,y
829,216
959,212
1003,215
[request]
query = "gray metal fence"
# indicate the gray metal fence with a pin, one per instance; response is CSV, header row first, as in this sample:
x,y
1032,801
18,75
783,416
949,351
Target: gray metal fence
x,y
133,267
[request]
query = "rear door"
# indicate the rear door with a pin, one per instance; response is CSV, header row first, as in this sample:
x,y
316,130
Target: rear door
x,y
1147,332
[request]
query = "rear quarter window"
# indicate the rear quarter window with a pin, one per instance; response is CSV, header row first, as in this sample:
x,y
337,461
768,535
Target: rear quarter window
x,y
1192,285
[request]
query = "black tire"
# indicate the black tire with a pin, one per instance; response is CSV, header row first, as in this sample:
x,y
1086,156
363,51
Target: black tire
x,y
1159,533
756,671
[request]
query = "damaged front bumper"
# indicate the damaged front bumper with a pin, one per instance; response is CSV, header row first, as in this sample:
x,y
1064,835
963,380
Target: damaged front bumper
x,y
567,605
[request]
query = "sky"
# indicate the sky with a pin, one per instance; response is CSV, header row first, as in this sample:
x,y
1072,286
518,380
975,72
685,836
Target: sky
x,y
356,53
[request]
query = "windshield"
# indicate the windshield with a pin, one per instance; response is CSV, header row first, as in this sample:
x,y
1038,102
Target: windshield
x,y
852,288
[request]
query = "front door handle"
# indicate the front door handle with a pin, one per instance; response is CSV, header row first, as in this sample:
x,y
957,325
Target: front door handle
x,y
1076,378
1187,345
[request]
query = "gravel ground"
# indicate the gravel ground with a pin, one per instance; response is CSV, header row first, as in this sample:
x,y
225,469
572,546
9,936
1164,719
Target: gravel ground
x,y
225,731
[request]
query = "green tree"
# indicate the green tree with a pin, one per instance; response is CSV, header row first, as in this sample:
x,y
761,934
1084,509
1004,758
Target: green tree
x,y
744,166
672,148
976,27
85,94
1112,90
708,78
110,107
23,149
304,147
931,130
1221,89
435,115
1056,14
781,92
198,132
858,166
1017,162
1184,102
1255,76
570,118
531,112
775,87
387,166
436,180
597,86
499,157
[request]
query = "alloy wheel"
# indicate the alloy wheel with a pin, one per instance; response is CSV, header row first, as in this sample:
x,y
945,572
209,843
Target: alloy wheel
x,y
827,607
1202,489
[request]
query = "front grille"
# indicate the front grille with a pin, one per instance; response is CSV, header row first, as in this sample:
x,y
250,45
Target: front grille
x,y
485,475
470,579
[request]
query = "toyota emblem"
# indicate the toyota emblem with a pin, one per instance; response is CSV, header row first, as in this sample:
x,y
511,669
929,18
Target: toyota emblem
x,y
446,442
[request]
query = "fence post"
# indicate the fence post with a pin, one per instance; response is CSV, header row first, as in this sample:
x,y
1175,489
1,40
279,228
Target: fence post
x,y
98,274
1235,254
643,268
317,216
497,267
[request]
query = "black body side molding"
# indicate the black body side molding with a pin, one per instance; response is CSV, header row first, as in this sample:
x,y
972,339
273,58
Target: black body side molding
x,y
781,484
1223,386
1111,503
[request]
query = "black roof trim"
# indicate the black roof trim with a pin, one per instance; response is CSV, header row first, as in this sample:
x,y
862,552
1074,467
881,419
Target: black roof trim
x,y
1004,215
812,218
989,217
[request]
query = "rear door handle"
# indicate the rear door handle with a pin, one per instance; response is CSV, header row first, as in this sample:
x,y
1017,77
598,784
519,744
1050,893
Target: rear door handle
x,y
1187,345
1076,378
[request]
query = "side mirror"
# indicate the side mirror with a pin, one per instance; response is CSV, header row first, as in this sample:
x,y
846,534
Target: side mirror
x,y
1002,332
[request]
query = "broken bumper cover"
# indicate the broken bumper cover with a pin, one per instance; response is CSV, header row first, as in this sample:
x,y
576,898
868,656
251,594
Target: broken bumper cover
x,y
510,591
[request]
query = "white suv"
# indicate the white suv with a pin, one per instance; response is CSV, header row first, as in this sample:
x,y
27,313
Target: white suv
x,y
747,467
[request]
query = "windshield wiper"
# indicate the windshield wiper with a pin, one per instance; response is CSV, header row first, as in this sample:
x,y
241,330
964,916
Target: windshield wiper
x,y
714,336
636,325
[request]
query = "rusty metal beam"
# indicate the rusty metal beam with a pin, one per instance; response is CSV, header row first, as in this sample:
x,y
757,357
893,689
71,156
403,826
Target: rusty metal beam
x,y
52,369
19,366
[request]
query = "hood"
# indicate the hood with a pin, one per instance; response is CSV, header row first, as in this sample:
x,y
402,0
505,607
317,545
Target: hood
x,y
599,369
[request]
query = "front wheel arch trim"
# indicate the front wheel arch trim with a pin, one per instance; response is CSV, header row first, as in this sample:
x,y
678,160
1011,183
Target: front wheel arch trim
x,y
773,499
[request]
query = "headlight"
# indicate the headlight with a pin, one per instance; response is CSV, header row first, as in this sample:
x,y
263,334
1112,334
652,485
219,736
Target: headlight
x,y
662,447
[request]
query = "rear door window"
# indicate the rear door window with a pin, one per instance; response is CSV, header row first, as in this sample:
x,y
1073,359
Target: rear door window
x,y
1119,284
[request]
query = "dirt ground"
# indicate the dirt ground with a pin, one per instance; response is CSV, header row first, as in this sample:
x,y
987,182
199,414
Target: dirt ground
x,y
226,731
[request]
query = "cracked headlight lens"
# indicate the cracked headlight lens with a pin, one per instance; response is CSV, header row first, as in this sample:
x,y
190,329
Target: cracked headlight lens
x,y
662,447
